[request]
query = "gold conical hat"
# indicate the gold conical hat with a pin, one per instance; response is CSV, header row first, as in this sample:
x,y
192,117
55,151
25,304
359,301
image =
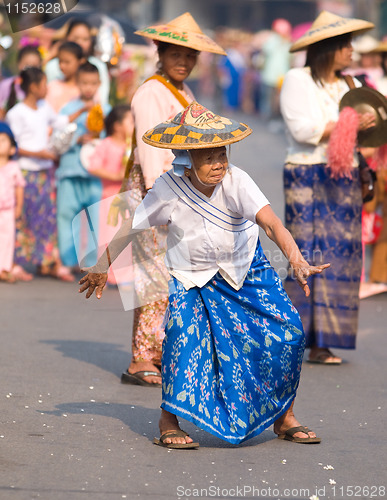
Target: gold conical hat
x,y
328,25
182,30
196,127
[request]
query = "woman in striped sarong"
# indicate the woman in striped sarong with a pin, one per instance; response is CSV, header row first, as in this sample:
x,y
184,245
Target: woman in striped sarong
x,y
234,342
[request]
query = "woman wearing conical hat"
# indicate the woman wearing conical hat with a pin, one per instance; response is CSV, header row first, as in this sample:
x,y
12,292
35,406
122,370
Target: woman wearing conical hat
x,y
234,342
179,43
323,209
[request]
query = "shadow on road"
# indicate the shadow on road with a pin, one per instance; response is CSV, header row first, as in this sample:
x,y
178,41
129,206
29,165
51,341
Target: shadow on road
x,y
143,422
108,357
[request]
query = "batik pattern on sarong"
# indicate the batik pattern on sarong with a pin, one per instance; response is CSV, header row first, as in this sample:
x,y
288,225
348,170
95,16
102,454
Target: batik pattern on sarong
x,y
36,230
232,359
324,217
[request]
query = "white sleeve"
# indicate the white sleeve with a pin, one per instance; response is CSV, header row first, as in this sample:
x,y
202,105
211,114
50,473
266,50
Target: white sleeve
x,y
243,196
156,208
15,120
300,107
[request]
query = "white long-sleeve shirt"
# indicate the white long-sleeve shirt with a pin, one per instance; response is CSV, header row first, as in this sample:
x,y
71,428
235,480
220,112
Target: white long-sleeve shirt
x,y
307,107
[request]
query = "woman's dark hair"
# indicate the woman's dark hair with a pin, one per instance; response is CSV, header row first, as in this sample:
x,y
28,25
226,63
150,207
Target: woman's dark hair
x,y
320,55
116,115
24,51
163,46
30,76
73,23
72,48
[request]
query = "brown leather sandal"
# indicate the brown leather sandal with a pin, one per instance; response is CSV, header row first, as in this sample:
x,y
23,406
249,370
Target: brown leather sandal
x,y
289,435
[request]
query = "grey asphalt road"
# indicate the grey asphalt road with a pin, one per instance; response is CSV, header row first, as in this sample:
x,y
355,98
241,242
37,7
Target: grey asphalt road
x,y
69,430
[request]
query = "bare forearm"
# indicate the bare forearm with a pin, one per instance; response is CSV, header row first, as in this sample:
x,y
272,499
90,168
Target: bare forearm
x,y
120,241
19,195
285,242
276,231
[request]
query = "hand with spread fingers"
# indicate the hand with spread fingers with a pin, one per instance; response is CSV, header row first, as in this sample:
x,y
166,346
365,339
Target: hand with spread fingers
x,y
366,121
93,282
303,270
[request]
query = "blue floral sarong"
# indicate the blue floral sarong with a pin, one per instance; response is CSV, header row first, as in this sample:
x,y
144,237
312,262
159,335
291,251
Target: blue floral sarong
x,y
232,359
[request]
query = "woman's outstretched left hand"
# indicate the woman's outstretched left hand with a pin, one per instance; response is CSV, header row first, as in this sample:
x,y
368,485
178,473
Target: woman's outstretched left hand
x,y
301,273
93,282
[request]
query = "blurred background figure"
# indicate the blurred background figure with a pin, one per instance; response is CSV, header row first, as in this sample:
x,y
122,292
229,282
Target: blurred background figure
x,y
10,90
367,62
80,32
11,201
231,69
276,63
63,90
323,208
30,121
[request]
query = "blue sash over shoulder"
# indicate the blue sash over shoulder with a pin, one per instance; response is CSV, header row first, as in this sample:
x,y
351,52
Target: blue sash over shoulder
x,y
217,214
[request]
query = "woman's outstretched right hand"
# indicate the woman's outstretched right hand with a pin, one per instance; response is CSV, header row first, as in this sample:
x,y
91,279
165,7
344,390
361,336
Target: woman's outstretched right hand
x,y
93,282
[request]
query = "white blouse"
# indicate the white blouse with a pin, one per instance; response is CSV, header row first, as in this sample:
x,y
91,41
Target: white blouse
x,y
307,107
31,128
204,234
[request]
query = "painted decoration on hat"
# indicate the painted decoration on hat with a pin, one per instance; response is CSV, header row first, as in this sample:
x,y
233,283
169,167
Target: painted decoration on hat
x,y
196,127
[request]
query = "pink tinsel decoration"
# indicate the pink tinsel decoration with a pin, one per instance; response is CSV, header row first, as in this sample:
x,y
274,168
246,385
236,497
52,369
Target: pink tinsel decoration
x,y
342,143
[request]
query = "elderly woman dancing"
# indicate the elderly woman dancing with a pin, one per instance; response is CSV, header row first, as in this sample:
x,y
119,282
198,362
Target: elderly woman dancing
x,y
234,342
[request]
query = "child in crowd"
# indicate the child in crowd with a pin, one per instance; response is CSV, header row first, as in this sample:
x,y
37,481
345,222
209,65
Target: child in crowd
x,y
61,91
108,163
11,201
36,235
80,32
77,188
10,91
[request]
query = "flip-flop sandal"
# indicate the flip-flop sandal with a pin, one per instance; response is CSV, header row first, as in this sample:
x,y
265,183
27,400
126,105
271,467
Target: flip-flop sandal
x,y
322,359
289,435
175,446
137,378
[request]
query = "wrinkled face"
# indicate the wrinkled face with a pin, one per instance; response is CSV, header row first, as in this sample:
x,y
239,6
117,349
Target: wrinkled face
x,y
178,62
88,84
210,166
343,57
81,35
68,63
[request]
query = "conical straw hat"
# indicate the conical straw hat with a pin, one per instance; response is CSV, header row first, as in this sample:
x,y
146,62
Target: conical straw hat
x,y
196,127
381,47
182,30
328,25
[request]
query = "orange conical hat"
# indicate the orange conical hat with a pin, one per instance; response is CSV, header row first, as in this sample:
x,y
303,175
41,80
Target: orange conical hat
x,y
182,30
